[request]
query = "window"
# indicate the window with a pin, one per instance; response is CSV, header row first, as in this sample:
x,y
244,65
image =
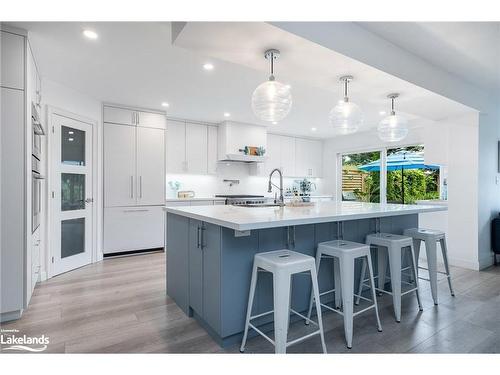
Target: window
x,y
407,178
361,182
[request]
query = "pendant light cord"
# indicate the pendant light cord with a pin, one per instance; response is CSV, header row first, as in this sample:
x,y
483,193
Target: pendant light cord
x,y
346,97
392,107
271,78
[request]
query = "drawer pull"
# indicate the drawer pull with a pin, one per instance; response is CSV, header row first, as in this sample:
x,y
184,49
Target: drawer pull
x,y
128,211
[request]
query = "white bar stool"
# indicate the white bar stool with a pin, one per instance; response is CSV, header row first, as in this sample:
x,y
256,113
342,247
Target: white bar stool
x,y
392,246
282,264
345,253
431,237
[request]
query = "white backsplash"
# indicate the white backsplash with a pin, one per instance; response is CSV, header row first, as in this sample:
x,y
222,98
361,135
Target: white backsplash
x,y
209,185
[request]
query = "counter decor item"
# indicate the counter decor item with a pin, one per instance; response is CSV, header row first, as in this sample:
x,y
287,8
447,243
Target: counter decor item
x,y
185,194
253,150
306,187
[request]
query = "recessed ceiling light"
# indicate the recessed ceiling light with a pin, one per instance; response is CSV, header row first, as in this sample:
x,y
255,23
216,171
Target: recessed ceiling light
x,y
71,132
314,129
90,34
70,139
288,86
208,66
227,114
165,104
382,113
275,122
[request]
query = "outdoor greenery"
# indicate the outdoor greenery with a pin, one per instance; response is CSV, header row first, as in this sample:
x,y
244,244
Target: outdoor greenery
x,y
418,184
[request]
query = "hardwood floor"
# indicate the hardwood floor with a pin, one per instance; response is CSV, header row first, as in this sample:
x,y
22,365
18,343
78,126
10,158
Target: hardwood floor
x,y
119,306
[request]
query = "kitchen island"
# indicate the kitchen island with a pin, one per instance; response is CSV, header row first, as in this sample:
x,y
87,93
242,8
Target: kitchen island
x,y
210,253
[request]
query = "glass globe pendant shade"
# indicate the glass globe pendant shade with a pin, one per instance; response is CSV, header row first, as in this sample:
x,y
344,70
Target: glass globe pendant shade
x,y
346,117
393,128
272,101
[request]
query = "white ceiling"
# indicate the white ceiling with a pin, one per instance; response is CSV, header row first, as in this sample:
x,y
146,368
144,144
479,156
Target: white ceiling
x,y
135,63
470,50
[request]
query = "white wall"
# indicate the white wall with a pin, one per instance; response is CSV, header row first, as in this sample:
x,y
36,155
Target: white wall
x,y
451,142
209,185
61,97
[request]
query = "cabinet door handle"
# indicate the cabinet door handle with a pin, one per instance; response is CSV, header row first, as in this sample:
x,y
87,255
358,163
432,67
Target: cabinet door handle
x,y
140,186
293,238
142,210
202,237
198,241
137,118
131,186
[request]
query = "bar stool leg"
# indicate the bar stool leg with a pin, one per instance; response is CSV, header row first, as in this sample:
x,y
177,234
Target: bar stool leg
x,y
337,283
395,269
416,249
374,295
347,282
281,289
444,250
414,268
318,262
251,295
315,287
431,249
382,267
361,280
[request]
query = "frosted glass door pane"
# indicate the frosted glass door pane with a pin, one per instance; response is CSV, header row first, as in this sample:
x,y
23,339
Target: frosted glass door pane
x,y
72,191
72,237
72,146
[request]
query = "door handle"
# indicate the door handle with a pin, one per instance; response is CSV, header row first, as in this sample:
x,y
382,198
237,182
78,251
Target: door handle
x,y
202,245
140,186
131,186
198,242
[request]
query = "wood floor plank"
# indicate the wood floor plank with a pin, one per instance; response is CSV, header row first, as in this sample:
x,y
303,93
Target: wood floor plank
x,y
120,305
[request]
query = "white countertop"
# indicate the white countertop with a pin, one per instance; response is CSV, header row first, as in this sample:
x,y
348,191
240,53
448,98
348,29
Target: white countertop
x,y
248,218
194,199
438,202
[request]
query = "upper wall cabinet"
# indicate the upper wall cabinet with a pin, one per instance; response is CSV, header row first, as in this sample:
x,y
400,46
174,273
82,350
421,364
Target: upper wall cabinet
x,y
296,157
308,157
12,65
191,148
124,116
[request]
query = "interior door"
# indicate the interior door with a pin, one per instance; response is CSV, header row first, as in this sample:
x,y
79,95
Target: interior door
x,y
72,195
150,166
119,165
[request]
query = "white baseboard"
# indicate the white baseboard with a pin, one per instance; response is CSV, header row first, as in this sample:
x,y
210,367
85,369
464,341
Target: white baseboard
x,y
457,262
11,315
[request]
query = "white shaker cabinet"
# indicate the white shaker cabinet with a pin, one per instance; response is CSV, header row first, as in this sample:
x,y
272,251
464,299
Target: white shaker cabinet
x,y
120,116
176,147
212,150
119,165
13,63
191,148
150,166
151,120
133,228
308,157
196,148
273,153
287,155
127,116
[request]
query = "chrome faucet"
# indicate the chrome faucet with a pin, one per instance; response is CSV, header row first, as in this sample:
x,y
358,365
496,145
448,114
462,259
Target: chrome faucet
x,y
281,200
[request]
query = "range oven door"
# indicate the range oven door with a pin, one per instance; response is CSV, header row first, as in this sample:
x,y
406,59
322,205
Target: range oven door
x,y
36,200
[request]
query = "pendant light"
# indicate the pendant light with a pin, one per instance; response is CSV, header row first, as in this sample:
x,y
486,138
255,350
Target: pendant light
x,y
393,128
346,117
272,100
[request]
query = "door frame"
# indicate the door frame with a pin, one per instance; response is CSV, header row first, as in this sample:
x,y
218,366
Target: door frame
x,y
96,252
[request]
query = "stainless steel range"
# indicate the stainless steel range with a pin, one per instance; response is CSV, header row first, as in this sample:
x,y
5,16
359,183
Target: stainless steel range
x,y
242,199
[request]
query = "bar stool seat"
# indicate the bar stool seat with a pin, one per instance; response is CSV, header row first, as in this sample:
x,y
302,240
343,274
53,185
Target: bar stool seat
x,y
431,237
282,264
345,253
392,246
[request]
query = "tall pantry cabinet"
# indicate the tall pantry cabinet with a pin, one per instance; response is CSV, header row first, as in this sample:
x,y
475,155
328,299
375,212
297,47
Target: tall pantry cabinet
x,y
134,179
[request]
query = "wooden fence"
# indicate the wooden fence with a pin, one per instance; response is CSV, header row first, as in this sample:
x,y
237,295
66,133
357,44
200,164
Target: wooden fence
x,y
353,179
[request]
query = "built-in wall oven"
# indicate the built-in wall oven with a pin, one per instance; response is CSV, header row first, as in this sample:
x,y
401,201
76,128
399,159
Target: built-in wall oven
x,y
36,177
